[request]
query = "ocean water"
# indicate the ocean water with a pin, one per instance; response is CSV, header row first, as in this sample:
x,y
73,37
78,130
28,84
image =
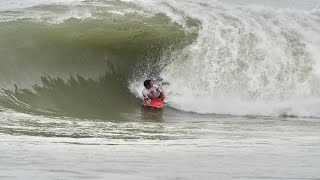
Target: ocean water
x,y
242,100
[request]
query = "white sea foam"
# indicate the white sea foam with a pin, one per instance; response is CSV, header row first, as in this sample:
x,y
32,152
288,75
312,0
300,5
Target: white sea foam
x,y
6,5
245,61
248,59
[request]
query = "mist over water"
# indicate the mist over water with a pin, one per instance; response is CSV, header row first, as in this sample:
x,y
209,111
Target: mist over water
x,y
247,60
242,100
238,58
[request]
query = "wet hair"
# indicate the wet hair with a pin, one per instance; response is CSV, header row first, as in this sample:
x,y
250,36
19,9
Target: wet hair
x,y
146,82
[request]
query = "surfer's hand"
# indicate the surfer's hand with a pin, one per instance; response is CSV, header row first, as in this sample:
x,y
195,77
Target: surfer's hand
x,y
148,100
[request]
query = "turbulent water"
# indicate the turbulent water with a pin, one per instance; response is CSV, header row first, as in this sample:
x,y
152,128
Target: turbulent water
x,y
220,59
244,88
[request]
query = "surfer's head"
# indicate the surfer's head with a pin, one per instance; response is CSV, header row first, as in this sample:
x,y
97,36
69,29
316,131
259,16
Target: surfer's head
x,y
148,84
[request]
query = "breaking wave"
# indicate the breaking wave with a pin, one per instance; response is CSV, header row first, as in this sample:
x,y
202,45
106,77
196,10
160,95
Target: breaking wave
x,y
88,58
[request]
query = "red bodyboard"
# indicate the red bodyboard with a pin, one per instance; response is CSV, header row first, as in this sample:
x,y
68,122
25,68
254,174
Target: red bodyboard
x,y
156,103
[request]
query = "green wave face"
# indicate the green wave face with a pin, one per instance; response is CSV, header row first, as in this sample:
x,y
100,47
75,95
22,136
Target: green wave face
x,y
81,66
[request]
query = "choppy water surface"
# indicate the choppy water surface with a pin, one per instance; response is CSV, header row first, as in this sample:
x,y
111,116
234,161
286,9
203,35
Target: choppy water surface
x,y
173,147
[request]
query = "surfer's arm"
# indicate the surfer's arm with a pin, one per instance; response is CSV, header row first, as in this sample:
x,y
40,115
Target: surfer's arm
x,y
145,95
